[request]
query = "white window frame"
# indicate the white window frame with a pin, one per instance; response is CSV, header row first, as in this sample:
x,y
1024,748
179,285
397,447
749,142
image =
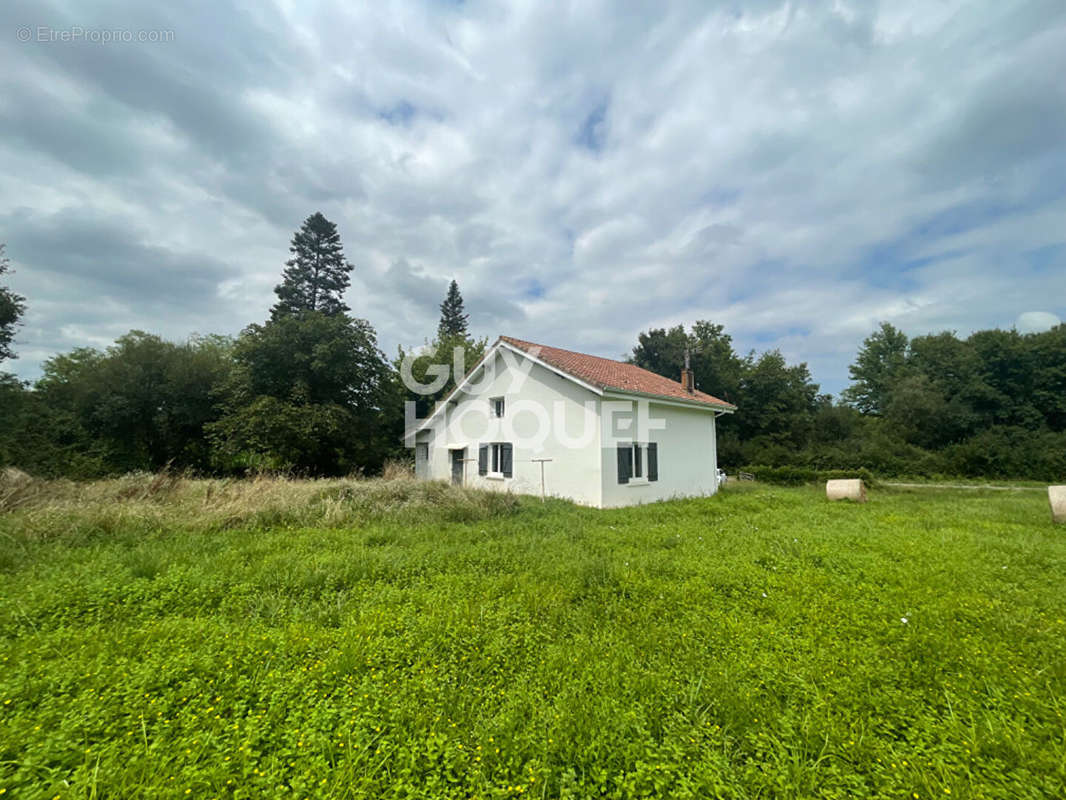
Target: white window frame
x,y
498,406
496,460
638,463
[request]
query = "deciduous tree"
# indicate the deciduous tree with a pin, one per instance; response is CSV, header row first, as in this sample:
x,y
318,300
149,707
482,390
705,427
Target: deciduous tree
x,y
878,364
12,306
307,394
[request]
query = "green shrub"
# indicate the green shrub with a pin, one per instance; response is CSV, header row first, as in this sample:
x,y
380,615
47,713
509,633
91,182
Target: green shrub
x,y
796,476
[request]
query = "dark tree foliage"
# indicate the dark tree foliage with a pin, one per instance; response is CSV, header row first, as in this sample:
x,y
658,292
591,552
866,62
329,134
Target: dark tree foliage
x,y
41,439
308,393
777,401
453,318
438,354
145,400
716,366
453,350
140,405
1049,376
662,351
12,306
317,275
991,405
879,362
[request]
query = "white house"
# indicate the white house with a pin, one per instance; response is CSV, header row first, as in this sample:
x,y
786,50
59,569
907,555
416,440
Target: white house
x,y
535,419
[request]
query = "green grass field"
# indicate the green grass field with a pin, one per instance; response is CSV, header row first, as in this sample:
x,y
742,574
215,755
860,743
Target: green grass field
x,y
170,638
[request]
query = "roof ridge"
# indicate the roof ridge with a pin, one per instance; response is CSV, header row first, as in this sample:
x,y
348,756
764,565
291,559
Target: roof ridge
x,y
575,352
654,384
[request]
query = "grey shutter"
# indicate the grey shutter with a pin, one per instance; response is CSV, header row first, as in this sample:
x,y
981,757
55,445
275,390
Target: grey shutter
x,y
483,459
507,457
653,461
625,458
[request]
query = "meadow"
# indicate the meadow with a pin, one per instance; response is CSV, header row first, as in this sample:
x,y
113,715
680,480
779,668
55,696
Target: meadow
x,y
172,638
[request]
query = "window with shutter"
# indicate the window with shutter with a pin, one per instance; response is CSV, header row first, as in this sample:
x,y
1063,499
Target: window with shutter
x,y
638,461
625,462
483,460
507,460
653,461
500,457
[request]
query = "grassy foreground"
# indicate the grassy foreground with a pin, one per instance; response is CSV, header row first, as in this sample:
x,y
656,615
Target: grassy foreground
x,y
171,638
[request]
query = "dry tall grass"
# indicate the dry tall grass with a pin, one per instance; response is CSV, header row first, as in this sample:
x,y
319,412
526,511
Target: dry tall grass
x,y
144,502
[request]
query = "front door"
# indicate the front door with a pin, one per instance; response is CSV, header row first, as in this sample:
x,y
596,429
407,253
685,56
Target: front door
x,y
457,466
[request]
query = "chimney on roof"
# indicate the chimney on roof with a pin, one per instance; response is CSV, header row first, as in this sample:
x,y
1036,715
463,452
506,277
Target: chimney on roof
x,y
688,379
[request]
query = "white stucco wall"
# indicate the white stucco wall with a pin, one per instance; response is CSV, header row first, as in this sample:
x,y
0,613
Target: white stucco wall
x,y
550,416
688,460
547,416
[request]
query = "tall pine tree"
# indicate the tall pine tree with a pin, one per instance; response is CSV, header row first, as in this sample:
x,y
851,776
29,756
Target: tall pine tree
x,y
11,308
310,389
452,315
317,275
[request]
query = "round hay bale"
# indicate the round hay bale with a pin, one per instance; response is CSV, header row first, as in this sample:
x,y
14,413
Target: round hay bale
x,y
849,489
1056,495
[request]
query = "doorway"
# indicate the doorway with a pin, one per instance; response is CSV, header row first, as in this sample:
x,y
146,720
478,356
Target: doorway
x,y
458,458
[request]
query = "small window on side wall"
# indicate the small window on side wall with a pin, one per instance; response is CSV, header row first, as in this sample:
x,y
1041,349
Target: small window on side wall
x,y
497,406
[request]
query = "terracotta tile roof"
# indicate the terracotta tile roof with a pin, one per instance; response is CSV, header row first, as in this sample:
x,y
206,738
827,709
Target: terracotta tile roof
x,y
615,375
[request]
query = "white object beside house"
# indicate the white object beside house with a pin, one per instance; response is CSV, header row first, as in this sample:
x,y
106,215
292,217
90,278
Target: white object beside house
x,y
534,419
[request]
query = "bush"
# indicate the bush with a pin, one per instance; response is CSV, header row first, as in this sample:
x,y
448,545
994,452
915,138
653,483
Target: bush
x,y
1011,452
795,476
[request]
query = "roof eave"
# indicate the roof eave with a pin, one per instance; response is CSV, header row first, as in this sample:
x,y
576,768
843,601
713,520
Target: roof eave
x,y
441,404
595,388
724,408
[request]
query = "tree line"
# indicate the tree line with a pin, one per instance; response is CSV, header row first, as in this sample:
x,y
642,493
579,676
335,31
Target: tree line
x,y
308,390
990,405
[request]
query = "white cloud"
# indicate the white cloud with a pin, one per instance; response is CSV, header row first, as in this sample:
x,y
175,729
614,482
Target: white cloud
x,y
796,172
1036,321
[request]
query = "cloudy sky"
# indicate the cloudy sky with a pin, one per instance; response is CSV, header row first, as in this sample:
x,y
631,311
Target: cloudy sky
x,y
796,171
